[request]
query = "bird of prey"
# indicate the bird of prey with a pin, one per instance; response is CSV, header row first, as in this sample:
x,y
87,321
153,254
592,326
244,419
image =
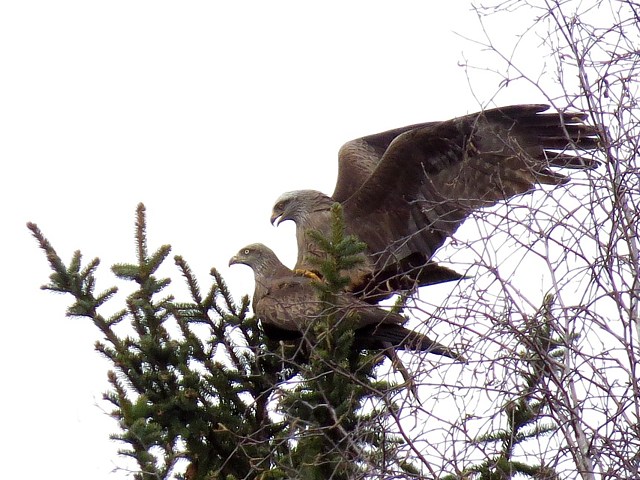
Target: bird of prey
x,y
287,305
404,191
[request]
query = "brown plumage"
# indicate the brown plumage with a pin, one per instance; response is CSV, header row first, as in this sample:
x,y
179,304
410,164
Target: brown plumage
x,y
287,305
404,191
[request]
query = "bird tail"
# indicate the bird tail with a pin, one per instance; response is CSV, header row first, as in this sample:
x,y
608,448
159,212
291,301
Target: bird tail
x,y
415,270
404,339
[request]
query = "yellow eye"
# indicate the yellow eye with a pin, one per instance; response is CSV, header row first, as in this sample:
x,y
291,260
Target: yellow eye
x,y
246,251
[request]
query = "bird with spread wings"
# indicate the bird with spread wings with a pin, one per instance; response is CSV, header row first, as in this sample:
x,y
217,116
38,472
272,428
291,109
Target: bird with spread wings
x,y
405,191
287,305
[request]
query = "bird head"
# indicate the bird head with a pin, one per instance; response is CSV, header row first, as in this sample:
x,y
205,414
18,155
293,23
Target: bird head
x,y
297,206
259,257
250,255
285,208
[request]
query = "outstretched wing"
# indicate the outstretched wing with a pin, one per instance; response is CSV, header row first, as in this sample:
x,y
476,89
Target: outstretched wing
x,y
430,178
358,159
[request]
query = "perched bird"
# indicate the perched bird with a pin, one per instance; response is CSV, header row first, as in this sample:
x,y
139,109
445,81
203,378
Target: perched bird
x,y
404,191
287,305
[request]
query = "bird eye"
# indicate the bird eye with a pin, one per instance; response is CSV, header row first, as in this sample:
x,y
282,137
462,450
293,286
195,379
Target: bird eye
x,y
246,251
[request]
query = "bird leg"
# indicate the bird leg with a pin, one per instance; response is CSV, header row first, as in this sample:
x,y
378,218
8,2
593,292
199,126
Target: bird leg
x,y
396,363
301,272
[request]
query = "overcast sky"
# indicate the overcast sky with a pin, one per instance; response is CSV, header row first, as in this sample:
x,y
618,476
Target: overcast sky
x,y
206,112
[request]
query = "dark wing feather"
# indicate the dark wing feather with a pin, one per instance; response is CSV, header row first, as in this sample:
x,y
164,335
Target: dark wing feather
x,y
358,159
431,178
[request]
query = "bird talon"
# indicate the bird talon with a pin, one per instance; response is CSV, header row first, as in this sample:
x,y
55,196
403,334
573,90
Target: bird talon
x,y
301,272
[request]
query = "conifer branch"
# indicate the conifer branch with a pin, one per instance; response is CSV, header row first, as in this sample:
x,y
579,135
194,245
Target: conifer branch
x,y
171,398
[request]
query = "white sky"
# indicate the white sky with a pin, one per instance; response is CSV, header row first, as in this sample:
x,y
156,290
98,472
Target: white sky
x,y
206,112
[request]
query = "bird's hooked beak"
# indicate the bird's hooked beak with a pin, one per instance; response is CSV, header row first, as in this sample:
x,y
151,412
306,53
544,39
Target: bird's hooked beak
x,y
233,260
277,217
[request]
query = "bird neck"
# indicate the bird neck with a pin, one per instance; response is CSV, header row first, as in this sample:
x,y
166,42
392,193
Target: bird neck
x,y
270,268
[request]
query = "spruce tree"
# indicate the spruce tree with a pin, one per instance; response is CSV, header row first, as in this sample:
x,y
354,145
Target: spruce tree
x,y
199,381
